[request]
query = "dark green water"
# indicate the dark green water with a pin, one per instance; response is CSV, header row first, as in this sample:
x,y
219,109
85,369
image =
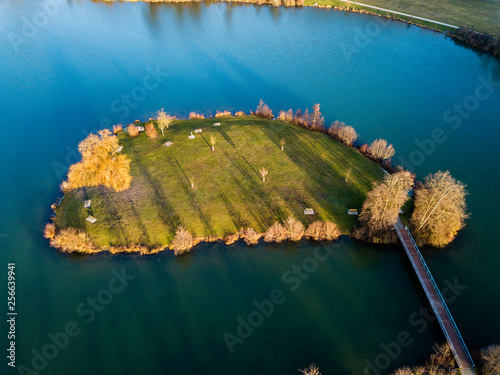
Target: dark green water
x,y
70,73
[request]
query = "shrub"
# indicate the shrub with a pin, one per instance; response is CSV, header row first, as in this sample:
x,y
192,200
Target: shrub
x,y
193,115
364,149
73,240
318,231
182,242
277,233
286,116
331,231
49,231
294,229
240,113
133,131
151,130
315,231
222,113
491,360
380,150
251,236
231,238
263,110
117,128
299,118
311,370
343,133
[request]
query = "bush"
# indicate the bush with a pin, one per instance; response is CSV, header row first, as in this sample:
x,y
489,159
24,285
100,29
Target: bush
x,y
240,113
117,128
194,115
319,231
251,236
343,133
277,233
231,238
263,110
73,240
491,360
294,229
133,131
182,242
151,130
222,113
379,150
286,116
331,231
49,231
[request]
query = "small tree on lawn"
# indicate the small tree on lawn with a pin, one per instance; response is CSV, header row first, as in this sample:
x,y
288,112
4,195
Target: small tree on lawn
x,y
212,142
282,142
263,173
164,120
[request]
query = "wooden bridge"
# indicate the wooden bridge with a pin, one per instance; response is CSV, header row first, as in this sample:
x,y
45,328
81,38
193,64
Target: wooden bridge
x,y
437,301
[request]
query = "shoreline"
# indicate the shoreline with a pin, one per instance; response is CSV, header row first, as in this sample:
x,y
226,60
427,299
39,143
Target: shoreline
x,y
316,228
482,41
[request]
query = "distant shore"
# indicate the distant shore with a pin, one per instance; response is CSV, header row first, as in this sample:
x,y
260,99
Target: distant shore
x,y
482,41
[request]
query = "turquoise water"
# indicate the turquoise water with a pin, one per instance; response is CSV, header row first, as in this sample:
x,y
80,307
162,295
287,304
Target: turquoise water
x,y
83,65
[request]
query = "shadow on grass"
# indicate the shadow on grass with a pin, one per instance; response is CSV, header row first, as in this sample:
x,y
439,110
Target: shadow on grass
x,y
187,189
166,211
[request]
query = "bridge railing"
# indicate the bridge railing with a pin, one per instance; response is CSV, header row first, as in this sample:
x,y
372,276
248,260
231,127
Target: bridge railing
x,y
431,278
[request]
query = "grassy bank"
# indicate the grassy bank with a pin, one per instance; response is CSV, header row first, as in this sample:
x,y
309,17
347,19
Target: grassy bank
x,y
228,191
479,15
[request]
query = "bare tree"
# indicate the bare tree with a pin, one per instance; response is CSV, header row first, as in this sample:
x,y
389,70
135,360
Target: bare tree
x,y
317,119
491,359
322,231
191,181
311,370
164,120
263,173
381,208
183,241
380,150
348,175
440,209
212,142
282,142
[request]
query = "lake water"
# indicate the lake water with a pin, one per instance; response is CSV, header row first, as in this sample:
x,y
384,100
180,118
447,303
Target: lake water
x,y
68,68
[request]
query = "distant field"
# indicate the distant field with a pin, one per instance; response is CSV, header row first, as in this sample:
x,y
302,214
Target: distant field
x,y
228,192
479,15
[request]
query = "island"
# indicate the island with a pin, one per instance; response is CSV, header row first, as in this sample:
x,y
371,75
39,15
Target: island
x,y
206,176
168,183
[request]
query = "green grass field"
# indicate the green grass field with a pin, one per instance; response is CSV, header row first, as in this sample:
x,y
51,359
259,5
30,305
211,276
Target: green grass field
x,y
479,15
228,192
